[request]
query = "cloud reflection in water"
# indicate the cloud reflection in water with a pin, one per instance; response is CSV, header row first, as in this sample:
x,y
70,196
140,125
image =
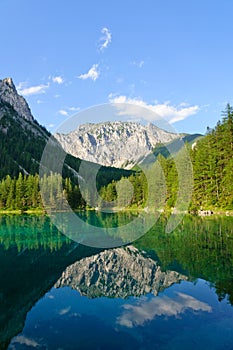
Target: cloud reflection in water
x,y
148,309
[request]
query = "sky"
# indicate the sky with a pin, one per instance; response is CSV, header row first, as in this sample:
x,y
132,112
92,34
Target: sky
x,y
174,57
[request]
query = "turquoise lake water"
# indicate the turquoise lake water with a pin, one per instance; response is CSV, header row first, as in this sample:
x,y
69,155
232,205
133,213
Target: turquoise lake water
x,y
164,291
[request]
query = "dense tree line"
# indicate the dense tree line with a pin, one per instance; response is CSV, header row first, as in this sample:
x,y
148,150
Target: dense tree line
x,y
20,193
24,192
213,165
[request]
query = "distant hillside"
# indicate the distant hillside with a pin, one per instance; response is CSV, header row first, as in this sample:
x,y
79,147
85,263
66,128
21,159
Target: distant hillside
x,y
171,148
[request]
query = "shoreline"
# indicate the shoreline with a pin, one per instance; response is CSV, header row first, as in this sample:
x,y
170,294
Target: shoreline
x,y
218,212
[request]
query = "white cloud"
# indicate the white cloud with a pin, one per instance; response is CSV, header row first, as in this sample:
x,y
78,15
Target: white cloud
x,y
74,109
31,90
147,310
21,339
64,311
106,39
63,112
153,112
112,95
50,296
66,111
92,74
58,80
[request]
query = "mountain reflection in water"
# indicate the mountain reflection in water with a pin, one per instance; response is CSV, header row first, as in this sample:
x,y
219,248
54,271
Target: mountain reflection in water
x,y
162,281
118,273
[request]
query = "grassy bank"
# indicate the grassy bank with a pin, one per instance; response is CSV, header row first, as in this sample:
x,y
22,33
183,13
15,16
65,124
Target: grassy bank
x,y
40,211
19,212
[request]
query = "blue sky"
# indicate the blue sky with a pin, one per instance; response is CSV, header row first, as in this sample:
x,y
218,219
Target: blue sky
x,y
175,56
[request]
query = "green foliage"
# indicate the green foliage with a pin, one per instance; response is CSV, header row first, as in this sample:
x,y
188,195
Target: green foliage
x,y
213,163
212,160
127,192
24,193
20,193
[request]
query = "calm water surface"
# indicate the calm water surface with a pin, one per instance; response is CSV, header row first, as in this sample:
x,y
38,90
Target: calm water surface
x,y
166,291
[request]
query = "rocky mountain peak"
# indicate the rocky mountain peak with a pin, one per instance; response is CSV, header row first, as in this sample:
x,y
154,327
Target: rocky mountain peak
x,y
118,144
9,94
9,82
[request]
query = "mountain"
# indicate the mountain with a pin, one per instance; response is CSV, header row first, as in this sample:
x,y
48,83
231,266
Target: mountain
x,y
117,144
117,273
8,94
22,140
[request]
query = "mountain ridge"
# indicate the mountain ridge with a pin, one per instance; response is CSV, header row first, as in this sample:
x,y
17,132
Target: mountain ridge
x,y
118,144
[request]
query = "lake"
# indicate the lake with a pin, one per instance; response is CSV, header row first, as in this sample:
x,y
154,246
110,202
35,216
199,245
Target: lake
x,y
164,291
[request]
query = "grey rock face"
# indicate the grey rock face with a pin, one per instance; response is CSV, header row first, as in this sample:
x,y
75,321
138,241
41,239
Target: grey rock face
x,y
118,273
117,144
8,93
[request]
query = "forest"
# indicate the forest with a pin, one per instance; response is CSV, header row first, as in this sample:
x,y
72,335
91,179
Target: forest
x,y
212,162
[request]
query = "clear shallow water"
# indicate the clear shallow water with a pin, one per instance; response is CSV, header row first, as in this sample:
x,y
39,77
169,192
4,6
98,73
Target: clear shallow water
x,y
167,291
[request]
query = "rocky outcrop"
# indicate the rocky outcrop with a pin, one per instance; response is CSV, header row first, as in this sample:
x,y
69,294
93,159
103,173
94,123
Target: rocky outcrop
x,y
117,144
117,273
8,94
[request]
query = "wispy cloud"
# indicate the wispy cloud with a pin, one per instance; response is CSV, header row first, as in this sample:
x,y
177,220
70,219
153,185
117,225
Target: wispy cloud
x,y
63,112
58,79
50,125
64,311
92,74
25,90
105,39
22,340
66,111
138,64
74,109
147,310
112,96
153,112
